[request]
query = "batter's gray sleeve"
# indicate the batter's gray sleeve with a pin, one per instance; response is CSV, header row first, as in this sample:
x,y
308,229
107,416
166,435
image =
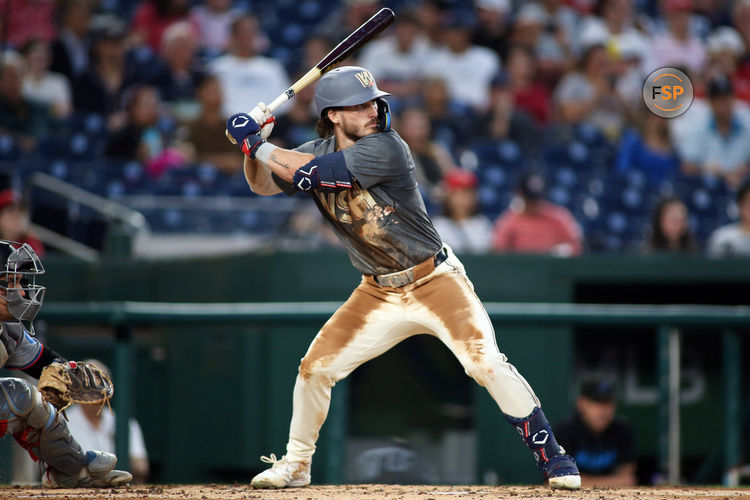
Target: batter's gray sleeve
x,y
379,159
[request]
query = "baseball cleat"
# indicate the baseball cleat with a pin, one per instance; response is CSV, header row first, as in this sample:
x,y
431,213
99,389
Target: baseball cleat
x,y
570,482
97,472
283,473
562,472
111,479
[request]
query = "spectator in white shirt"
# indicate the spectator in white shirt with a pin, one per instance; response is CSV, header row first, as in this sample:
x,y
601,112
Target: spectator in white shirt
x,y
397,60
247,77
467,69
721,146
734,239
94,429
462,226
40,84
678,47
213,19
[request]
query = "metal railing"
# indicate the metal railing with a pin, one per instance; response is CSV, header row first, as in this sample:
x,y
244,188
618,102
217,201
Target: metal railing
x,y
122,316
132,220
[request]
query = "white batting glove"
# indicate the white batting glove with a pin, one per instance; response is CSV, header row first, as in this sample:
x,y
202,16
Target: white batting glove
x,y
260,114
265,120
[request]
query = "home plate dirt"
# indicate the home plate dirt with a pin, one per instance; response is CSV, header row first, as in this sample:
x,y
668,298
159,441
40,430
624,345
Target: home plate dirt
x,y
373,492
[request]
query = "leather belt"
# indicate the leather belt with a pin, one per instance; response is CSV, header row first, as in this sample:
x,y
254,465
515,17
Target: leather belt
x,y
412,274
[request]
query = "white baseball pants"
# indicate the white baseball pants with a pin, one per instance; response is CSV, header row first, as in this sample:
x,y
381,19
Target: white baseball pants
x,y
376,318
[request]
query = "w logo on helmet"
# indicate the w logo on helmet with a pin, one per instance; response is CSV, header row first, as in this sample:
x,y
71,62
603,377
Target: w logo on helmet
x,y
365,78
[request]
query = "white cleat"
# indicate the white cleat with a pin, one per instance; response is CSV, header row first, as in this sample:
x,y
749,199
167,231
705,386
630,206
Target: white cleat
x,y
282,474
98,472
112,479
569,482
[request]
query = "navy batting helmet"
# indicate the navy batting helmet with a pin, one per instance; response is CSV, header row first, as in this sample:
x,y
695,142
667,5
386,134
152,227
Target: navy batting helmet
x,y
349,86
19,267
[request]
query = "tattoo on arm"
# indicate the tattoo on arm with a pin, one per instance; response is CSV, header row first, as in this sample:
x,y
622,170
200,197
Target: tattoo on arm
x,y
277,161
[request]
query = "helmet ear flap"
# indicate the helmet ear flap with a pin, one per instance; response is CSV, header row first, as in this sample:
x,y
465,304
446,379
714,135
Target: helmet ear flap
x,y
384,114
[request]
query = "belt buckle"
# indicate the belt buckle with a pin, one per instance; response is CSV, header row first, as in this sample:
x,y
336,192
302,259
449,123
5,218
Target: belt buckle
x,y
397,280
440,257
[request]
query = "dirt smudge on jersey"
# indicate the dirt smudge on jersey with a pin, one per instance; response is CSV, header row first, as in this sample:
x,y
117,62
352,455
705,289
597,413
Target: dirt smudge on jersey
x,y
375,219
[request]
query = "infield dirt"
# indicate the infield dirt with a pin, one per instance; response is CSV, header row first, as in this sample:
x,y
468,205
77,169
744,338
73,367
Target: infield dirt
x,y
372,492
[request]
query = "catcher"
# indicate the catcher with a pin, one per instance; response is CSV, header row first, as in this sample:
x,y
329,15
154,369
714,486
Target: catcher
x,y
31,418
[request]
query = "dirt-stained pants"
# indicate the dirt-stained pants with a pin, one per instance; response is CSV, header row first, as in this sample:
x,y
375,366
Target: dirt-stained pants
x,y
376,318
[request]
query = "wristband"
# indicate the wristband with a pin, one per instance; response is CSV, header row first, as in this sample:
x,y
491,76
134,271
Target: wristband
x,y
250,145
263,152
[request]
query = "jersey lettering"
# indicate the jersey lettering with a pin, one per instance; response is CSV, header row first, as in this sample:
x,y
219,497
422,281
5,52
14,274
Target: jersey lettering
x,y
347,205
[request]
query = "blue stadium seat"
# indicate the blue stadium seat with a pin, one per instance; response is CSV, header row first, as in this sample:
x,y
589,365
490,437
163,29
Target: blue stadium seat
x,y
172,218
53,147
310,11
504,153
493,201
80,147
494,176
292,34
115,189
133,175
59,169
191,189
250,220
95,125
565,176
559,195
575,154
9,150
91,179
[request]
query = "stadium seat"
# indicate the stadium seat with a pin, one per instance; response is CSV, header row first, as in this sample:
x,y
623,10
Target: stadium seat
x,y
115,189
80,147
59,169
506,153
9,150
559,195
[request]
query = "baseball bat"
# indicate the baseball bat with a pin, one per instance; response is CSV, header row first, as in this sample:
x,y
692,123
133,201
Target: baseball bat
x,y
351,44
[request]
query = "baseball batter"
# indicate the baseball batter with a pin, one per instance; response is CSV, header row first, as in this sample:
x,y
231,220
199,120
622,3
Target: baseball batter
x,y
36,425
361,176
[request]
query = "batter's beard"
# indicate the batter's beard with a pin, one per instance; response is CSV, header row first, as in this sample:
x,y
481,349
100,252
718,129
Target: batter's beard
x,y
358,133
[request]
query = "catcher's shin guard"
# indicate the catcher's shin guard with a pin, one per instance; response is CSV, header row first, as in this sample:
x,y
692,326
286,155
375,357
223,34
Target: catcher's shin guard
x,y
560,469
58,448
38,428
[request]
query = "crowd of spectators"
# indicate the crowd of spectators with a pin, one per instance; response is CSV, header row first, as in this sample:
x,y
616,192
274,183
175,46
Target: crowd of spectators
x,y
494,88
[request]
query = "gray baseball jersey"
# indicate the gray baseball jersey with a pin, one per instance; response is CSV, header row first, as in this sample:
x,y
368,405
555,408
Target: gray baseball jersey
x,y
382,219
18,349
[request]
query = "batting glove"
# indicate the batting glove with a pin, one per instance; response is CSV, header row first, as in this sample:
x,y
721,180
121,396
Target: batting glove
x,y
244,132
265,120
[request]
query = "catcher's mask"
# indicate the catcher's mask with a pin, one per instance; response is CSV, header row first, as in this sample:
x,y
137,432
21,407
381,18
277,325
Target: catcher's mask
x,y
20,267
350,86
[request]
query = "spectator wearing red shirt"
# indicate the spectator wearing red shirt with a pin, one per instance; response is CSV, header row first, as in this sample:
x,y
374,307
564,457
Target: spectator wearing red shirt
x,y
534,225
528,93
26,20
14,221
153,17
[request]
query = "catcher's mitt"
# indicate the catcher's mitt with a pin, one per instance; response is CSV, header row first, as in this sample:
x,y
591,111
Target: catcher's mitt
x,y
63,384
